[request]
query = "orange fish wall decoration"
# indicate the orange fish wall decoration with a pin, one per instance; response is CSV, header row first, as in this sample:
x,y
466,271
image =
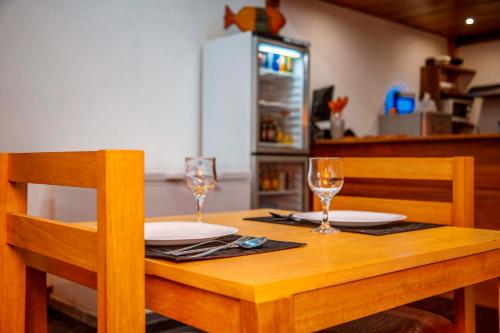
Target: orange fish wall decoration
x,y
261,20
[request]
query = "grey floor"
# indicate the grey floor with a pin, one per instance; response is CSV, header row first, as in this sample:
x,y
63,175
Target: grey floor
x,y
60,323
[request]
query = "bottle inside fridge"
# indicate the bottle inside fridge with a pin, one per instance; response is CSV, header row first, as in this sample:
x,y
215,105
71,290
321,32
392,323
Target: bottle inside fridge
x,y
280,182
281,91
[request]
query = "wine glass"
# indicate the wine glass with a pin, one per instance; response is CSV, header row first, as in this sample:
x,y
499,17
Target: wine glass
x,y
200,177
325,179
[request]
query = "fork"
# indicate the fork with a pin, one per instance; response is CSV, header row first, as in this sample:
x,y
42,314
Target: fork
x,y
174,252
192,249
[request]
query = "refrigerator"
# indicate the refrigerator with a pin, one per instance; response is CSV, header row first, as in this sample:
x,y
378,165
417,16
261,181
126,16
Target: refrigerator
x,y
255,116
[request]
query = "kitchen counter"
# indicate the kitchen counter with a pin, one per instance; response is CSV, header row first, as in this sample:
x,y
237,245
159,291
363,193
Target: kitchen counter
x,y
404,138
485,148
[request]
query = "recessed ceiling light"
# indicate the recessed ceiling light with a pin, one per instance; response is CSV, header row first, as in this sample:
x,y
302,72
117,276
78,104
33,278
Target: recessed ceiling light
x,y
469,21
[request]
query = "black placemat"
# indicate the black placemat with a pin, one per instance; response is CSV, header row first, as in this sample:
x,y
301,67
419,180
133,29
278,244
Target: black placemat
x,y
386,229
155,252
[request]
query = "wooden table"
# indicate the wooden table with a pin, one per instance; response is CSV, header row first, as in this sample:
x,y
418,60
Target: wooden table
x,y
334,279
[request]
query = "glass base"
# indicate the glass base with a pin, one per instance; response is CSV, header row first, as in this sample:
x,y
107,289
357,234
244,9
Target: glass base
x,y
325,230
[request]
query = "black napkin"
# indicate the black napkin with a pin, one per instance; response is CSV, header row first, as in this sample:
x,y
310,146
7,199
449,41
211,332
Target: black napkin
x,y
386,229
155,251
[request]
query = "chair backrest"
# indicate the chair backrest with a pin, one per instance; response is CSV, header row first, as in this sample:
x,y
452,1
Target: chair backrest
x,y
458,170
115,251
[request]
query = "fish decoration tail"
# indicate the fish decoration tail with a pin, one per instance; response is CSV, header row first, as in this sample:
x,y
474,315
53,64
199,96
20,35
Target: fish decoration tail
x,y
228,17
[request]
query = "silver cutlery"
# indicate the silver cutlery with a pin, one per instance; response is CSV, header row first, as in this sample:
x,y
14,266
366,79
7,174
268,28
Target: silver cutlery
x,y
281,216
173,252
192,249
289,217
247,243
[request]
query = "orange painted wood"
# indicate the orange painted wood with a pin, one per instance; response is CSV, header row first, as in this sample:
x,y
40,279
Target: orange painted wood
x,y
399,168
120,232
62,269
326,260
262,317
206,310
460,170
12,264
484,149
36,301
463,192
333,279
66,169
345,302
63,241
115,251
465,310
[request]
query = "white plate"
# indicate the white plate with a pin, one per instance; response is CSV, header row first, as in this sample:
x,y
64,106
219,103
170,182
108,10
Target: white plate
x,y
353,218
180,233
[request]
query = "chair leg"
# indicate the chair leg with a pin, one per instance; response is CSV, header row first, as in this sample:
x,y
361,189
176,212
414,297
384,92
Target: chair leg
x,y
36,301
12,290
12,263
465,310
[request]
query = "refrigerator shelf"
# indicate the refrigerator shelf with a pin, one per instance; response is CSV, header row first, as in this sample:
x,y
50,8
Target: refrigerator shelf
x,y
280,105
270,73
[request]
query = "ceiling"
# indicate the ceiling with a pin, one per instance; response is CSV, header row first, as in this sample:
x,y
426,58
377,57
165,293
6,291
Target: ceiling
x,y
443,17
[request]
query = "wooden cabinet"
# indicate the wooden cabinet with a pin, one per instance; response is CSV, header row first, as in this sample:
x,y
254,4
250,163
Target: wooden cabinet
x,y
445,81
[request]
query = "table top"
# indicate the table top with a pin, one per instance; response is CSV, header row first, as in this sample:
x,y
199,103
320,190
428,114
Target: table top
x,y
326,260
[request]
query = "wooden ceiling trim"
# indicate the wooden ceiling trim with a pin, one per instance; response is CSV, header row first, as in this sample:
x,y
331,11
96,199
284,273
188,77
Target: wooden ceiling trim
x,y
445,17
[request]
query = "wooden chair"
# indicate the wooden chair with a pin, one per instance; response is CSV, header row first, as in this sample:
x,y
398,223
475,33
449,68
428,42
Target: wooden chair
x,y
460,212
31,246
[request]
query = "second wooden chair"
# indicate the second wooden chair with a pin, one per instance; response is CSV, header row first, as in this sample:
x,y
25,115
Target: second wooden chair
x,y
459,212
31,246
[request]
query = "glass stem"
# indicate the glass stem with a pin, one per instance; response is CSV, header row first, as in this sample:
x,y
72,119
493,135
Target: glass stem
x,y
199,208
325,204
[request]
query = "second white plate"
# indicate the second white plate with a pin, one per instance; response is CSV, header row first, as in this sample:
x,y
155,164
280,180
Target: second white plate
x,y
181,233
353,218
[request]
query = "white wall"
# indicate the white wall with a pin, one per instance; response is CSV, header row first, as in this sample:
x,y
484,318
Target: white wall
x,y
360,54
126,73
105,74
485,59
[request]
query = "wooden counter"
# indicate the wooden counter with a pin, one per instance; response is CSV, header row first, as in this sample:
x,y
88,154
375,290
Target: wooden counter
x,y
484,148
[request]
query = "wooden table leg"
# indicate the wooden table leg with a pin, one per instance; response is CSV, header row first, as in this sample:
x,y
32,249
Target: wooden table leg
x,y
465,310
274,316
36,301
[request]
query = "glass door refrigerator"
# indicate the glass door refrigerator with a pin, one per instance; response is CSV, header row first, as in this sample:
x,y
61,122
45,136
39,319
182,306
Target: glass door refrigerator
x,y
255,115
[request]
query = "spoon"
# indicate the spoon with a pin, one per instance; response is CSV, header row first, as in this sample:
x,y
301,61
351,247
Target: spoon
x,y
246,244
253,242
